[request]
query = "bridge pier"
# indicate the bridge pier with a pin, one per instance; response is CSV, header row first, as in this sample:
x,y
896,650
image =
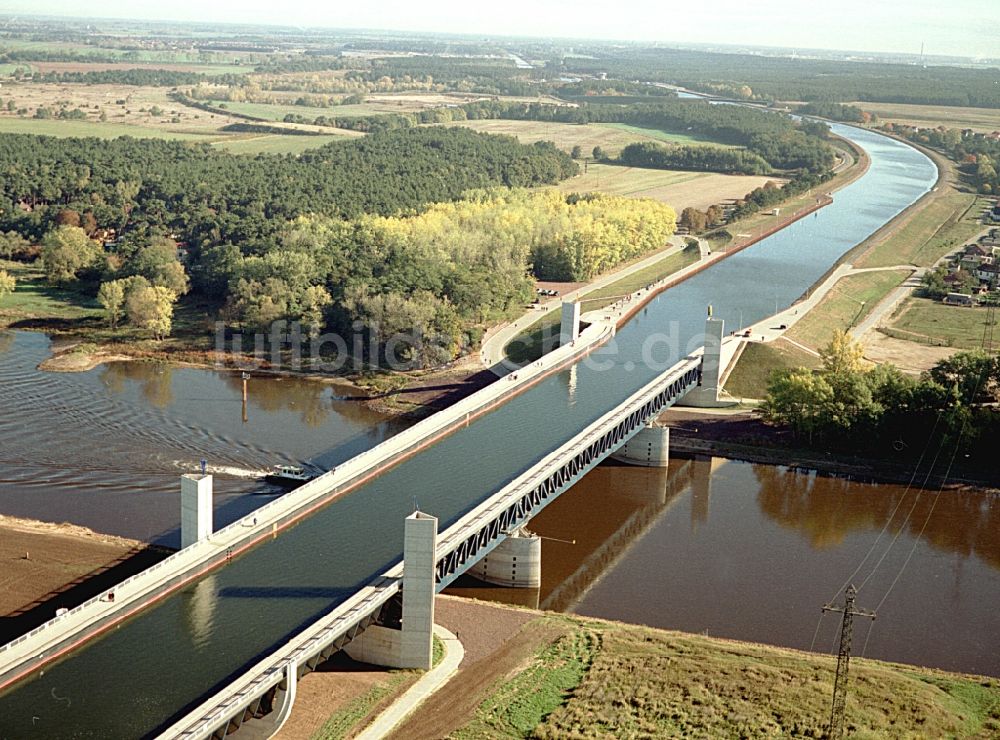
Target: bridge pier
x,y
515,562
569,326
196,508
411,646
650,448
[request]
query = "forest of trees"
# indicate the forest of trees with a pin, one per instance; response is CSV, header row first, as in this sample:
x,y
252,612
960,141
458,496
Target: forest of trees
x,y
208,196
437,275
699,158
880,411
443,271
419,230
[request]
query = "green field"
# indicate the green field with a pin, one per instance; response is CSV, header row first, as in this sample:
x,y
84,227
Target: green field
x,y
277,112
54,127
34,299
841,308
978,119
927,321
274,143
752,373
665,136
639,279
236,143
940,227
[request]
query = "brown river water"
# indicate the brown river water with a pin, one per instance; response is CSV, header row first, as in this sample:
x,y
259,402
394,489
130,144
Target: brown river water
x,y
725,548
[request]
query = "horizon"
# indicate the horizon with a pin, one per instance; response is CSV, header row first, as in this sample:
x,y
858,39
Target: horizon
x,y
960,31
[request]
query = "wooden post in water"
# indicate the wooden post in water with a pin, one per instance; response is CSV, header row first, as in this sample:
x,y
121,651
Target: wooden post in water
x,y
246,377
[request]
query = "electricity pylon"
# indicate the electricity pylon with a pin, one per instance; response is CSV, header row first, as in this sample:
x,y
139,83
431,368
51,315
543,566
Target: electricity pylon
x,y
843,659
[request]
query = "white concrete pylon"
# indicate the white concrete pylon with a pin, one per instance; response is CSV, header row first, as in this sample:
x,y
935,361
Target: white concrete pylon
x,y
196,508
419,566
569,326
650,448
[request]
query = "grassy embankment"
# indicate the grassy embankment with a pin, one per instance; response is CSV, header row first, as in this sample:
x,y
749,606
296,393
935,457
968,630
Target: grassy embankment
x,y
750,377
528,345
604,679
852,299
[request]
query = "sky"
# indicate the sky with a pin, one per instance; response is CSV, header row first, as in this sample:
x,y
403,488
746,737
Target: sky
x,y
956,27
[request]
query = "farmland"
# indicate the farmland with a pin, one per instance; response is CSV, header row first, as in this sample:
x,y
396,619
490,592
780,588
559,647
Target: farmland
x,y
679,189
983,120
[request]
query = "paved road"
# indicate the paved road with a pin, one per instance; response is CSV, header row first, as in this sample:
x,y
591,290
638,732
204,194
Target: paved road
x,y
775,326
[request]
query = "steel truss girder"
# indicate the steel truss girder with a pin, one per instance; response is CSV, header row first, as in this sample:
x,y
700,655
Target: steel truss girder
x,y
472,548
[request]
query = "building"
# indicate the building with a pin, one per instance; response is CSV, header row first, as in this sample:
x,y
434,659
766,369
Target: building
x,y
959,299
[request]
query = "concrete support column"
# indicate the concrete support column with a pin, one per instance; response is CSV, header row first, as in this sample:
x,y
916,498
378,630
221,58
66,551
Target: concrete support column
x,y
706,395
569,327
413,645
196,508
419,566
650,448
515,562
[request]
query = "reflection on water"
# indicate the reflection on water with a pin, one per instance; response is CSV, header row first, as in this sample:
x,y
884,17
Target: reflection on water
x,y
105,448
752,552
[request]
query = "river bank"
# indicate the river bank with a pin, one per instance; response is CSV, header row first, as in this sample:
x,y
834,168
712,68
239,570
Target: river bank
x,y
744,436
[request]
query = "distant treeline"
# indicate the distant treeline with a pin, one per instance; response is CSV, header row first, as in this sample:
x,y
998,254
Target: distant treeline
x,y
837,112
783,78
772,136
138,77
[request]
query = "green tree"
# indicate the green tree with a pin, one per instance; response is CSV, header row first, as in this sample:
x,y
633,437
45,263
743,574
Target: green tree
x,y
796,398
66,252
151,308
158,263
12,245
314,302
7,283
111,295
599,154
576,152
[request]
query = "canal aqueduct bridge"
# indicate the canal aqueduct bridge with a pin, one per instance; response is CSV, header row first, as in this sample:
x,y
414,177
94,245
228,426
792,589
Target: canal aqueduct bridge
x,y
389,620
